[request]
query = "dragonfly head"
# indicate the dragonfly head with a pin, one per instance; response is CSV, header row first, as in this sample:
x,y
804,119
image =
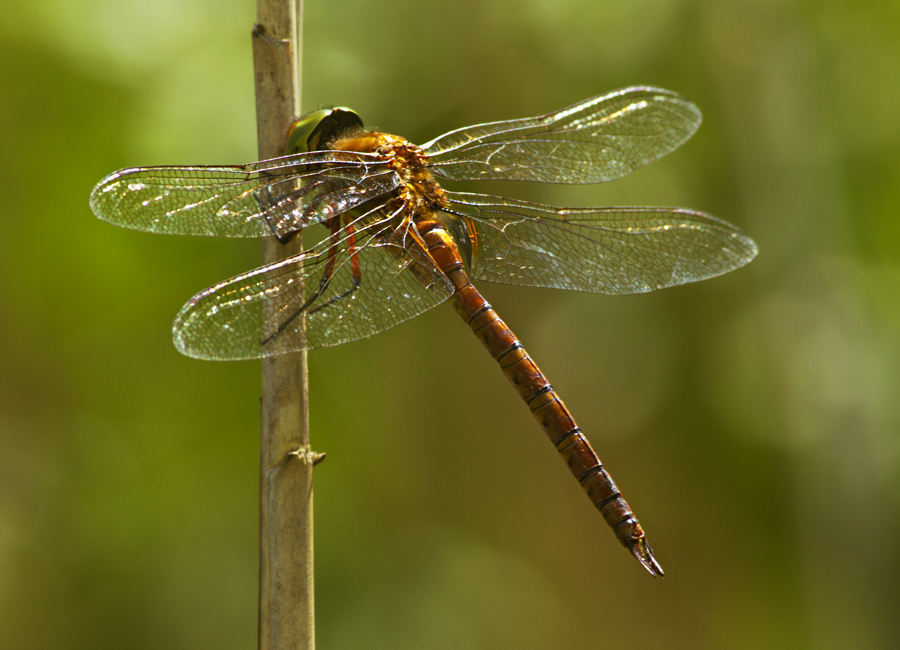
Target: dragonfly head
x,y
318,129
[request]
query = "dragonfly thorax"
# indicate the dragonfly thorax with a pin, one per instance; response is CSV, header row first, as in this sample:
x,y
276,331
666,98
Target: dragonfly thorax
x,y
419,192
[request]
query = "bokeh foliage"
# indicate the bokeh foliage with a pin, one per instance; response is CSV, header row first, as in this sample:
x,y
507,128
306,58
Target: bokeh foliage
x,y
751,420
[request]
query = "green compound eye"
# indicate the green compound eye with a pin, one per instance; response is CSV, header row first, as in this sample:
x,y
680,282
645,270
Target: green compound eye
x,y
315,131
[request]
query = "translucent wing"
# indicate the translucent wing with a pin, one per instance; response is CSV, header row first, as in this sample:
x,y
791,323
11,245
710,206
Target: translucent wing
x,y
603,250
596,140
275,196
257,314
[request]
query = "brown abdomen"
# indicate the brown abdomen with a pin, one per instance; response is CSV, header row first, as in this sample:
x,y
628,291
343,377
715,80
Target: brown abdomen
x,y
545,404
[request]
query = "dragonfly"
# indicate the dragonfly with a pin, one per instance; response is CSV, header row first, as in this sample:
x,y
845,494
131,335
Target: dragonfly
x,y
398,243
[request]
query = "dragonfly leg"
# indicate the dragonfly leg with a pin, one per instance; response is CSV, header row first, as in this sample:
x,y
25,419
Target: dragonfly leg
x,y
325,281
323,284
354,267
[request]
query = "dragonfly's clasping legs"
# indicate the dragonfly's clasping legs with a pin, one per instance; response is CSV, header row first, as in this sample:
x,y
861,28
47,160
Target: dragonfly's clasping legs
x,y
326,278
354,267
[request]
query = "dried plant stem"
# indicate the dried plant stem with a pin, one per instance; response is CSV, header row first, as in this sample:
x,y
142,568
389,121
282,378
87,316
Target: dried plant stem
x,y
286,605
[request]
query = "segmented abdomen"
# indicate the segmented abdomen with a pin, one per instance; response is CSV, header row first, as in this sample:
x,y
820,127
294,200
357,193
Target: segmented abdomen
x,y
535,390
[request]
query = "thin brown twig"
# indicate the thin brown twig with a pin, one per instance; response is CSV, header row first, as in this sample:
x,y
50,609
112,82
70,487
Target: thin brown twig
x,y
286,604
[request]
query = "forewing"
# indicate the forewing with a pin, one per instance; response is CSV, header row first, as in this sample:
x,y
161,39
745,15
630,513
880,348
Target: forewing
x,y
271,197
603,250
594,141
258,314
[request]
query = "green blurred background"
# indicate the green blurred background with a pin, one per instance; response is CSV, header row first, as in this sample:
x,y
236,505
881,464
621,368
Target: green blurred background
x,y
752,420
